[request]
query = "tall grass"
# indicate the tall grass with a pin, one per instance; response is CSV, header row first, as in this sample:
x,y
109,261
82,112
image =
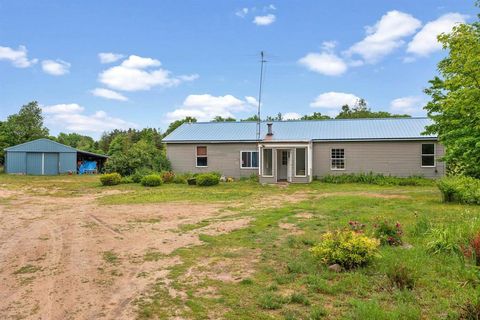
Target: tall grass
x,y
376,178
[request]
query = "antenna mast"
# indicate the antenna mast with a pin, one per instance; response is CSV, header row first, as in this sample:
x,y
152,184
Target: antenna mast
x,y
262,61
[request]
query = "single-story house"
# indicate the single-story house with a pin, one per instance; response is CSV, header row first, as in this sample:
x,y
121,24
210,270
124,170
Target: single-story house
x,y
298,151
47,157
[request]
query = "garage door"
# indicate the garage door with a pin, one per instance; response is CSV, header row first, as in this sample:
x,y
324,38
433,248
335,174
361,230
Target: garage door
x,y
50,163
34,163
39,163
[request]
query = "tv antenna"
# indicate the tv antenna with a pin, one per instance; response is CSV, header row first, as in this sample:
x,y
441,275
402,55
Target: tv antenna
x,y
262,61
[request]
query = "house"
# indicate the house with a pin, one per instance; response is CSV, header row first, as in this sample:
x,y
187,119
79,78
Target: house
x,y
298,151
47,157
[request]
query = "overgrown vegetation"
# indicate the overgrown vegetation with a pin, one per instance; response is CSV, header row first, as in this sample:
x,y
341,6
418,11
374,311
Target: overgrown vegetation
x,y
207,179
460,189
375,178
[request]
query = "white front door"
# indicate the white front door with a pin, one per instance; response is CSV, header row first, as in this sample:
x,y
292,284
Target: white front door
x,y
282,165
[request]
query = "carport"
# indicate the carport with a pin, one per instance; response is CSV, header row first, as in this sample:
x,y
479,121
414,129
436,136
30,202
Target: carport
x,y
47,157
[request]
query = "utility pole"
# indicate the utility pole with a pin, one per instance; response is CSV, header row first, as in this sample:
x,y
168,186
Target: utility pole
x,y
262,61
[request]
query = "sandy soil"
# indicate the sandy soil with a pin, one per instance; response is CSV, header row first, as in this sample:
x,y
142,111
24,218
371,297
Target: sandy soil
x,y
69,258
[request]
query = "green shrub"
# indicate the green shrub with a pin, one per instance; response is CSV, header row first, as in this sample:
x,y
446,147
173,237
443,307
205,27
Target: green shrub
x,y
374,178
179,179
207,179
139,174
152,180
460,189
167,176
388,233
110,179
126,180
346,248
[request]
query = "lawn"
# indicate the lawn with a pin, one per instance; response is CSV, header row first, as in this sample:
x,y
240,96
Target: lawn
x,y
264,270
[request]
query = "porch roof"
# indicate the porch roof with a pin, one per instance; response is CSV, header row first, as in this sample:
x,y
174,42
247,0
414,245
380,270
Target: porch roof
x,y
321,130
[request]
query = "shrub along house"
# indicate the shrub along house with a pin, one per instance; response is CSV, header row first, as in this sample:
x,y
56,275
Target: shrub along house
x,y
298,151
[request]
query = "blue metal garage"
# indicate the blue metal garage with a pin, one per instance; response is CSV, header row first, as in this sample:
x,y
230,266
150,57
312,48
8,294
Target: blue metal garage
x,y
47,157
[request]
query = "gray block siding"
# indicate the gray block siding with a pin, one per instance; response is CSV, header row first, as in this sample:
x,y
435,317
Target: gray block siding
x,y
224,158
396,158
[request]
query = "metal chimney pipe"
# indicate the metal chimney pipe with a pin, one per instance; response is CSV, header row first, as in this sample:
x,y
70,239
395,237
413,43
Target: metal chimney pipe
x,y
269,126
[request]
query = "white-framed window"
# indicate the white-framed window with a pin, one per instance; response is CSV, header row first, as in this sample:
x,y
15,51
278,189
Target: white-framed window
x,y
249,159
267,162
428,155
337,159
301,162
202,157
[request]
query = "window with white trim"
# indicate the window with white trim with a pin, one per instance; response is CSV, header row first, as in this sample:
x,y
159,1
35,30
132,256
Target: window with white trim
x,y
267,162
300,161
428,155
249,159
337,159
202,158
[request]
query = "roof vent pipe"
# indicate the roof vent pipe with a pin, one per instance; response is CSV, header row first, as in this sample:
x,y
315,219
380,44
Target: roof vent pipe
x,y
269,126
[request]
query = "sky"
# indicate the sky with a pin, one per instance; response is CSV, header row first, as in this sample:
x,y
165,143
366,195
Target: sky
x,y
94,66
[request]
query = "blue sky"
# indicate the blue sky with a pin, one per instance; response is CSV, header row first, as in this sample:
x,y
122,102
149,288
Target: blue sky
x,y
99,65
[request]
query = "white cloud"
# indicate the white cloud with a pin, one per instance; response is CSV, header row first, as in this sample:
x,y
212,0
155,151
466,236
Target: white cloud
x,y
385,36
72,118
63,108
108,94
409,105
271,7
17,57
251,100
425,41
264,20
242,12
291,116
205,107
133,75
334,100
109,57
326,63
55,67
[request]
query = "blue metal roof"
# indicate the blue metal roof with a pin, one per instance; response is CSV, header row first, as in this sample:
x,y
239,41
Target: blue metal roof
x,y
47,145
322,130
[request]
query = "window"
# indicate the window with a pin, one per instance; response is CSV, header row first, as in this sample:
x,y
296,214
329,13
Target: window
x,y
249,159
428,155
337,159
284,158
202,159
267,162
300,161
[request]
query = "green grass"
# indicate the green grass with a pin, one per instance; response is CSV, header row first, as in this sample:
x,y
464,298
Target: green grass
x,y
111,257
29,268
281,279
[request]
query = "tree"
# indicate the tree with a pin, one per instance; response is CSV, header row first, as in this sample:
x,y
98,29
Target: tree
x,y
78,141
278,117
251,118
24,126
221,119
174,125
361,111
455,99
315,116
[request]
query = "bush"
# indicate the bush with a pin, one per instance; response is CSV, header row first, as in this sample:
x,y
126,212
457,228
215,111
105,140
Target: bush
x,y
346,248
207,179
110,179
138,175
126,180
389,233
152,180
460,189
168,176
179,179
373,178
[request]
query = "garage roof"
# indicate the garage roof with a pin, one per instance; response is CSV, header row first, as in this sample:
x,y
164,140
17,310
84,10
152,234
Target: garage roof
x,y
321,130
47,145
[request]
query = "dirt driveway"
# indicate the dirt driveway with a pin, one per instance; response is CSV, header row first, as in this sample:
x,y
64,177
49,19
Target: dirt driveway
x,y
70,258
